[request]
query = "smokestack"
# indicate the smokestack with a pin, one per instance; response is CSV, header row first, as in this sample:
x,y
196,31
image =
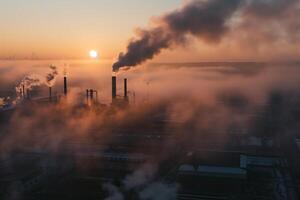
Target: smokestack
x,y
50,93
87,96
114,87
23,91
65,86
96,96
92,94
125,88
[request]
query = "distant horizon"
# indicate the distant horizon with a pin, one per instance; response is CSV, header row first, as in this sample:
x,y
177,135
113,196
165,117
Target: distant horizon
x,y
62,29
158,62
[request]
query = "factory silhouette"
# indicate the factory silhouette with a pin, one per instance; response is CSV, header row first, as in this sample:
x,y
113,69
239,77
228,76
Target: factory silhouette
x,y
92,95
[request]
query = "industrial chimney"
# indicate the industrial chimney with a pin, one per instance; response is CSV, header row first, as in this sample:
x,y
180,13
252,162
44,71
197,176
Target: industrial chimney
x,y
23,91
125,89
87,96
50,93
92,95
114,87
65,86
96,95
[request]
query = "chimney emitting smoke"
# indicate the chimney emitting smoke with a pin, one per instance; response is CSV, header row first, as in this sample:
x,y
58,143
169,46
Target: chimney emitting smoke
x,y
114,87
65,86
92,94
23,91
206,20
50,93
125,88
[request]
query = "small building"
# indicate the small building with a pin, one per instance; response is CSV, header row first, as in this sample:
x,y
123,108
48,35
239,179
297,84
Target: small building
x,y
248,161
186,169
222,172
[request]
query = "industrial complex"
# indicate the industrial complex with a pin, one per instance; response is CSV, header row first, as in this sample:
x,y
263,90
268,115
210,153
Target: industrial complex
x,y
245,167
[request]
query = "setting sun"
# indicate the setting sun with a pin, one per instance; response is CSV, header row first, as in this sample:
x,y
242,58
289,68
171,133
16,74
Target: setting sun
x,y
93,54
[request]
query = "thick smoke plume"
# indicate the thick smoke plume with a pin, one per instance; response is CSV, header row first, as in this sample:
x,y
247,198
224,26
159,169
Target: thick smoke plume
x,y
210,21
205,19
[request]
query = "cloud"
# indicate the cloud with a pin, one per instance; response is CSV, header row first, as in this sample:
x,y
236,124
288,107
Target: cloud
x,y
142,183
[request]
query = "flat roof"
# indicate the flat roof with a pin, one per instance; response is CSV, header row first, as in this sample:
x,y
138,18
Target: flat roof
x,y
221,170
187,168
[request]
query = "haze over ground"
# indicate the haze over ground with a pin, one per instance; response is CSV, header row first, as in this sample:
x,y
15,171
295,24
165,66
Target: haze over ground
x,y
178,107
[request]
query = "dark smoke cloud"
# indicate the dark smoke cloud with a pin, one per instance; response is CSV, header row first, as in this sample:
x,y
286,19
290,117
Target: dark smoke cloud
x,y
150,43
268,8
260,22
204,19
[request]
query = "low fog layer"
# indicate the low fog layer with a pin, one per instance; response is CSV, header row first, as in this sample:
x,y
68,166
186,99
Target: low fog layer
x,y
185,92
202,102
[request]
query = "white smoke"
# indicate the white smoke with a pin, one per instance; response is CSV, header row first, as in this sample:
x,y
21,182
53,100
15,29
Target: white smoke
x,y
51,77
143,184
28,83
139,177
35,80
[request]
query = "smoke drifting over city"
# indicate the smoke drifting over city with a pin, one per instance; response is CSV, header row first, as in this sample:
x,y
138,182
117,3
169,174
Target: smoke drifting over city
x,y
211,21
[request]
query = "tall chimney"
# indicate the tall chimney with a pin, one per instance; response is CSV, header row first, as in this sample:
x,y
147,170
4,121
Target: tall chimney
x,y
96,96
23,91
65,86
125,88
50,93
92,95
114,87
87,96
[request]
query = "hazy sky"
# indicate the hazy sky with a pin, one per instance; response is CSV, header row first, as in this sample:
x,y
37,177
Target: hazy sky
x,y
70,28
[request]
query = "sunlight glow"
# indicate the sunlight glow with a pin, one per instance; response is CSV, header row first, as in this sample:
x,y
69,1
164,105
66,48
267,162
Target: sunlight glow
x,y
93,54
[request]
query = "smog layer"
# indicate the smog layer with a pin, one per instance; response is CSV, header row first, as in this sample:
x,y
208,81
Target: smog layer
x,y
194,106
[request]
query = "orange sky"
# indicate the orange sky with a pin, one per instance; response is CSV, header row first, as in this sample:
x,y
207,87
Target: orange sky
x,y
69,29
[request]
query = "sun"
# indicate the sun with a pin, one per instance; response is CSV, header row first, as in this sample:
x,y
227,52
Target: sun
x,y
93,54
